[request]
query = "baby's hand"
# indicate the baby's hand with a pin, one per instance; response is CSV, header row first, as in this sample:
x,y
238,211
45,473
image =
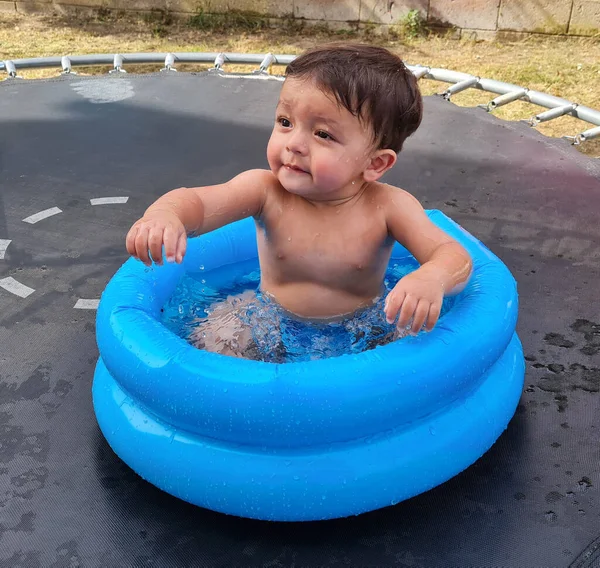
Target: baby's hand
x,y
418,296
153,231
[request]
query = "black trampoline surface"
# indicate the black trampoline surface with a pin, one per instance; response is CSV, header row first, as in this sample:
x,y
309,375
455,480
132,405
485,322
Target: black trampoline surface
x,y
67,500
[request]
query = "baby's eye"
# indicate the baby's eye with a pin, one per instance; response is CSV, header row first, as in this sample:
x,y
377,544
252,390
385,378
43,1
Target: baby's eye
x,y
284,122
323,135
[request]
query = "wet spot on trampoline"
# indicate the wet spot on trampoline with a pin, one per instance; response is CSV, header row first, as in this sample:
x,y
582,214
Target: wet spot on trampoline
x,y
553,497
27,483
29,559
591,335
558,340
561,402
62,388
30,389
584,484
15,442
101,91
68,555
26,523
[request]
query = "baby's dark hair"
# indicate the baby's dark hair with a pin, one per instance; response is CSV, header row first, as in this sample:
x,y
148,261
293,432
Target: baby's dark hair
x,y
370,82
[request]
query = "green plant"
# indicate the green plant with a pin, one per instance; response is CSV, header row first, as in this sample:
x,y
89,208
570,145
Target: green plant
x,y
412,25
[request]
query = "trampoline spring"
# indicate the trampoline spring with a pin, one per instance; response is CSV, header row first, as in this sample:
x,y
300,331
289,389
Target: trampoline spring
x,y
584,136
460,86
219,62
10,68
504,99
169,63
118,64
65,63
419,71
551,114
265,64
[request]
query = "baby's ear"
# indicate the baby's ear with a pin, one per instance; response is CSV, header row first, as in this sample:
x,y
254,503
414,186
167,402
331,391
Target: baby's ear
x,y
381,162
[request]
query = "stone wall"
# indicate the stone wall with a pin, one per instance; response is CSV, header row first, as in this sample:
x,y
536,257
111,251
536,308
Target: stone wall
x,y
484,19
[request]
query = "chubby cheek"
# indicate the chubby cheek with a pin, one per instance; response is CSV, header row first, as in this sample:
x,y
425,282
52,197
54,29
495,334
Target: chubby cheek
x,y
327,173
274,154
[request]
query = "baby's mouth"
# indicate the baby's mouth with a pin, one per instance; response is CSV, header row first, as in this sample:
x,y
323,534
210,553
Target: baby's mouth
x,y
296,169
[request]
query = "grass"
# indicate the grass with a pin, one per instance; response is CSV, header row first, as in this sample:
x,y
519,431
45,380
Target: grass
x,y
565,67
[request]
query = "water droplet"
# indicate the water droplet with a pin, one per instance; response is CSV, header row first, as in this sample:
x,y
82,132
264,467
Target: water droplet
x,y
296,477
289,238
432,430
225,390
201,267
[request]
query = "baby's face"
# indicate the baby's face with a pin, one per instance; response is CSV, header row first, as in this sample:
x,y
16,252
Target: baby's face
x,y
317,148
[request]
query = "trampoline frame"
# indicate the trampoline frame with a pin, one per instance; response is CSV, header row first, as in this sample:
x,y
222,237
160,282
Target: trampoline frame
x,y
507,92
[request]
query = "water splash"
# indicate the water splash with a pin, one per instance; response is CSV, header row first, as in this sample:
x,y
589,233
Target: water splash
x,y
260,329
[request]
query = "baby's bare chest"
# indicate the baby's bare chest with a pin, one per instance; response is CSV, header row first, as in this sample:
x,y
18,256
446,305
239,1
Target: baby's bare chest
x,y
333,246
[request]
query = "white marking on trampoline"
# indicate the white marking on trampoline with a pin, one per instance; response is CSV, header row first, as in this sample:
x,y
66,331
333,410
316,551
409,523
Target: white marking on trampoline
x,y
3,246
108,200
86,304
42,215
15,287
100,91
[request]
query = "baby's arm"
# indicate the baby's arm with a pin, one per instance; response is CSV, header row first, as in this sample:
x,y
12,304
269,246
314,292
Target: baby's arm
x,y
195,210
445,264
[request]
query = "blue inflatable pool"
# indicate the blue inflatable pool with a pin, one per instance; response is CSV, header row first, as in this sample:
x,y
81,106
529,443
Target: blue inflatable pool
x,y
311,440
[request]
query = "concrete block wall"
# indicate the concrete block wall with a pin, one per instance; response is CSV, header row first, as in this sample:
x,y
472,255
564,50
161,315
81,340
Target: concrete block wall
x,y
484,19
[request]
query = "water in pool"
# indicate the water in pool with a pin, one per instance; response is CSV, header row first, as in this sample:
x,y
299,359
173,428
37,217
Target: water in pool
x,y
222,310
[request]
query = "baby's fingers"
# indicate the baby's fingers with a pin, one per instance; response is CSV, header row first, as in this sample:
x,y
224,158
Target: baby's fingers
x,y
155,243
392,305
434,314
130,240
420,316
171,240
406,312
141,245
181,247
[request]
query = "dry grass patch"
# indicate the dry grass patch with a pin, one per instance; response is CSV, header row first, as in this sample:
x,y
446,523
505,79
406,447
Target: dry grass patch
x,y
565,67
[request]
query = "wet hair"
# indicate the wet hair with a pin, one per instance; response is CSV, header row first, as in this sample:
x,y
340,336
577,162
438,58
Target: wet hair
x,y
370,82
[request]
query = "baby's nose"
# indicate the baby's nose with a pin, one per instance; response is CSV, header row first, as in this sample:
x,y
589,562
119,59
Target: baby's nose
x,y
297,144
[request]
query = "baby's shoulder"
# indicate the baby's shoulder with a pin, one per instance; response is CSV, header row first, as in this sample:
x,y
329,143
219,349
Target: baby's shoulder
x,y
386,194
258,176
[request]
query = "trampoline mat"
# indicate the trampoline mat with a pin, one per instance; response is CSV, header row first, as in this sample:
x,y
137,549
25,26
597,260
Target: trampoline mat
x,y
67,500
